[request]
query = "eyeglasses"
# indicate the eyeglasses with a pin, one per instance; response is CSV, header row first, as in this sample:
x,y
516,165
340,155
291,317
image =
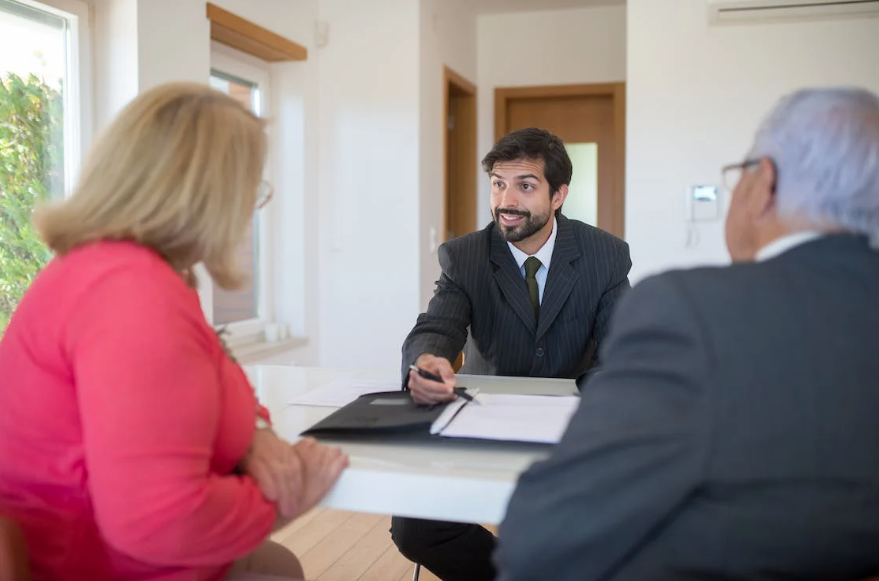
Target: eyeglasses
x,y
264,194
732,173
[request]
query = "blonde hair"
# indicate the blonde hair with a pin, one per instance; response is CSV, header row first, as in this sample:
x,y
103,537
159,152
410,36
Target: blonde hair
x,y
177,171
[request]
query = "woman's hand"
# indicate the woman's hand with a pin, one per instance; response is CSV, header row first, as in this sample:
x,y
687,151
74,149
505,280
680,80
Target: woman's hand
x,y
322,467
278,471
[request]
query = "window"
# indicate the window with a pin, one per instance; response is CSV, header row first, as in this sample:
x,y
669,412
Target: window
x,y
245,312
582,201
44,122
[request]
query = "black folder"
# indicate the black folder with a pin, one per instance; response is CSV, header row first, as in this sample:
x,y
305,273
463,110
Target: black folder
x,y
382,414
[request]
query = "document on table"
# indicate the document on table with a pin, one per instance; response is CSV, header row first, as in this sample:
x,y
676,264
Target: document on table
x,y
520,418
341,392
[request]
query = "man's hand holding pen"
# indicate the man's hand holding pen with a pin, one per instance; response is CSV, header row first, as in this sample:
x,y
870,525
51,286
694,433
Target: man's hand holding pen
x,y
432,380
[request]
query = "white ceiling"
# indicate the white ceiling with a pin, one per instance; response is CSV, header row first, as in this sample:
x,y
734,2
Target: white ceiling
x,y
498,6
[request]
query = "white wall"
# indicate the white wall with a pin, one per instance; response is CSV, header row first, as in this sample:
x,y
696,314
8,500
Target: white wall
x,y
115,58
695,97
561,47
448,38
368,181
172,49
132,51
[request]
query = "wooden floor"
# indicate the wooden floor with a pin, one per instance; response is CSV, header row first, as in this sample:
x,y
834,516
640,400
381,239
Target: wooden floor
x,y
347,546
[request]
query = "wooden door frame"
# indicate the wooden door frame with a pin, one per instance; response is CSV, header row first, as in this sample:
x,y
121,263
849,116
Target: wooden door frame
x,y
616,91
450,79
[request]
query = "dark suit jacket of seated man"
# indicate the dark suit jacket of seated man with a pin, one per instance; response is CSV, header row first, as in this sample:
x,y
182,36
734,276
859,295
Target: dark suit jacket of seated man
x,y
733,430
482,290
539,320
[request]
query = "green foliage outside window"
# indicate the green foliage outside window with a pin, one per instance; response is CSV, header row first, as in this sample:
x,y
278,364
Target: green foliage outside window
x,y
31,171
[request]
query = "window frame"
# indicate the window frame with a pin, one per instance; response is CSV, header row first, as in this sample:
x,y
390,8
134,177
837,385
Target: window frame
x,y
231,62
78,97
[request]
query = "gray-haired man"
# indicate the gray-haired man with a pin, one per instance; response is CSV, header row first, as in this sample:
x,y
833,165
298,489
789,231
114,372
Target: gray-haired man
x,y
733,432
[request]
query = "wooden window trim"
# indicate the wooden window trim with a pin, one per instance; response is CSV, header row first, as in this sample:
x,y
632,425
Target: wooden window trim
x,y
232,30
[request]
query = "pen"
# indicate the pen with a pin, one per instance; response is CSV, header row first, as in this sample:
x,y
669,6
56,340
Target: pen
x,y
459,391
426,374
462,392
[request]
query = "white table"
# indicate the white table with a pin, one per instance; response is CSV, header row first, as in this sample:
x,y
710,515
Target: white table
x,y
457,481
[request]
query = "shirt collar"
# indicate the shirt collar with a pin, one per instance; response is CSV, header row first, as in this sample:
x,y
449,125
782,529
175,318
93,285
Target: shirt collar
x,y
781,245
544,255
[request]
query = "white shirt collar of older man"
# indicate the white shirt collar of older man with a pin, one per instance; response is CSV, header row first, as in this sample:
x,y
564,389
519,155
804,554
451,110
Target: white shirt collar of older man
x,y
781,245
544,255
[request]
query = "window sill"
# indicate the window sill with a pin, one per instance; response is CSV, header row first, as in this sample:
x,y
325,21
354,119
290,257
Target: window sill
x,y
254,351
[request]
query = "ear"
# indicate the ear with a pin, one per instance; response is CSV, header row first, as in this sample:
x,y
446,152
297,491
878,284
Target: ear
x,y
558,198
763,191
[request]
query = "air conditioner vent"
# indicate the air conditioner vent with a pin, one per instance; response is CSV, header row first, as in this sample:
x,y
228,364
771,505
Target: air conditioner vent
x,y
755,11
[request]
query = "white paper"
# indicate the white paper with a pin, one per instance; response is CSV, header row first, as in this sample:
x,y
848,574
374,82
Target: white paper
x,y
341,392
449,413
520,418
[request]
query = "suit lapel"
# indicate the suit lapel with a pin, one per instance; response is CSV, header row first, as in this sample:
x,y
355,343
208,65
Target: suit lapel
x,y
510,279
561,276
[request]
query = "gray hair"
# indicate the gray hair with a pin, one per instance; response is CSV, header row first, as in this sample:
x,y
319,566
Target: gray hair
x,y
825,146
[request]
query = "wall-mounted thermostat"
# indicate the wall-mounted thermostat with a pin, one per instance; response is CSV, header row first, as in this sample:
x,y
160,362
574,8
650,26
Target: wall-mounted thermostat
x,y
703,203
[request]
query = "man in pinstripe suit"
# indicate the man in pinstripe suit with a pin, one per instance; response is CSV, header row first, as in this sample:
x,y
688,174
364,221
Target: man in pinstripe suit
x,y
533,290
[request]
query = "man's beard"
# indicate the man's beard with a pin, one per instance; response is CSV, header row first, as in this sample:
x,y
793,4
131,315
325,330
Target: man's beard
x,y
529,225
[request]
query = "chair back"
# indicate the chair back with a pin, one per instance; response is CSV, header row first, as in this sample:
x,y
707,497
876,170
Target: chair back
x,y
459,362
13,552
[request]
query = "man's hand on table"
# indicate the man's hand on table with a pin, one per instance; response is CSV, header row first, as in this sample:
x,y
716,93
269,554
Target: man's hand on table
x,y
425,391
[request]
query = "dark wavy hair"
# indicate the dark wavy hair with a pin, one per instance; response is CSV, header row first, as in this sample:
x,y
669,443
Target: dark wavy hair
x,y
534,144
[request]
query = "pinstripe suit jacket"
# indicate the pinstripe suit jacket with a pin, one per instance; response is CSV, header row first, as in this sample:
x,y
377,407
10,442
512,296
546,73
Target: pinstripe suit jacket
x,y
481,299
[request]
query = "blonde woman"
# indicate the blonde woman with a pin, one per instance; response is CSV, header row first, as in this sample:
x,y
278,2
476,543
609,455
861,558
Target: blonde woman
x,y
129,446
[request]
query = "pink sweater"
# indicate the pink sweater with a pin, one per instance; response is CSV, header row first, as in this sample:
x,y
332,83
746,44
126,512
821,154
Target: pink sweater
x,y
121,421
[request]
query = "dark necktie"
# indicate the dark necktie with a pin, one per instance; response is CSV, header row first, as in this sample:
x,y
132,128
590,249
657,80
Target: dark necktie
x,y
532,265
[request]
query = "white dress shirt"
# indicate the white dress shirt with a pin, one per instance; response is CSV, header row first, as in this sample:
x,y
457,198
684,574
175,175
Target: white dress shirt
x,y
544,255
781,245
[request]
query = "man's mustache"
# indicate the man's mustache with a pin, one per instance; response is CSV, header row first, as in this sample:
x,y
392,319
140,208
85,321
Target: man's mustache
x,y
525,213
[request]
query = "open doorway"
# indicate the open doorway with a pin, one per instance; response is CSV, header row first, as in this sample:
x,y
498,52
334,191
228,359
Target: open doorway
x,y
459,155
591,120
